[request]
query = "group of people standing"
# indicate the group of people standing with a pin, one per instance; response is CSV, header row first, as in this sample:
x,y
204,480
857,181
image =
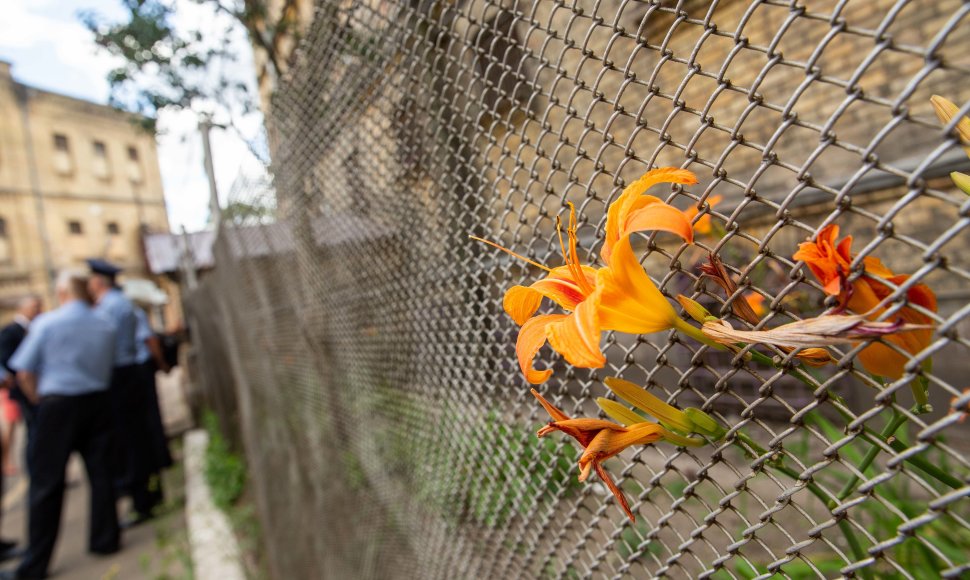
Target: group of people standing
x,y
84,376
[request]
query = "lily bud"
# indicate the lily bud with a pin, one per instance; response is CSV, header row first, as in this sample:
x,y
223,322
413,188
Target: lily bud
x,y
694,309
945,110
961,180
704,423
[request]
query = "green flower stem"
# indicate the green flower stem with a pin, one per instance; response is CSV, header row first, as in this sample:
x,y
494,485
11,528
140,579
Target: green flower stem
x,y
927,467
895,422
844,526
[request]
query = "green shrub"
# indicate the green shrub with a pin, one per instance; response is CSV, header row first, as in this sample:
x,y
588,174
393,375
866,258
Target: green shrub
x,y
225,472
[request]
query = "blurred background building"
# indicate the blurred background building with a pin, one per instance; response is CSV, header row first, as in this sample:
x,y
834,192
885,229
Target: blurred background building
x,y
77,180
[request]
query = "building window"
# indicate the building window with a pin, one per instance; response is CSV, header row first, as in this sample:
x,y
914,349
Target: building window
x,y
100,167
134,165
74,227
63,163
113,229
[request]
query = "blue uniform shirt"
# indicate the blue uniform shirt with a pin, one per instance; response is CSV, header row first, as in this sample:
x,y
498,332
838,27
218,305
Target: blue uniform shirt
x,y
118,310
71,349
143,332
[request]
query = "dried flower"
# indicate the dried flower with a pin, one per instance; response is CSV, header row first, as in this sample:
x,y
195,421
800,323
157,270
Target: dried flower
x,y
824,330
829,261
600,440
715,270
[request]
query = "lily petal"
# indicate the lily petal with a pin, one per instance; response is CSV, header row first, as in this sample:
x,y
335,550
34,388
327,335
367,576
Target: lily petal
x,y
532,336
521,302
629,301
577,336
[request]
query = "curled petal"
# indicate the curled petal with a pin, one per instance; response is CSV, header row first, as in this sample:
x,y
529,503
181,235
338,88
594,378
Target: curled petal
x,y
532,336
617,493
521,302
577,336
582,430
658,216
554,411
630,200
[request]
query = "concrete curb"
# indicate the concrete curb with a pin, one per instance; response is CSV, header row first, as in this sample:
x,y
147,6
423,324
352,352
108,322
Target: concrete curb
x,y
215,552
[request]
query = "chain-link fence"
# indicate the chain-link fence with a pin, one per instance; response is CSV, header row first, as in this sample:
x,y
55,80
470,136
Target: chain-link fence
x,y
359,343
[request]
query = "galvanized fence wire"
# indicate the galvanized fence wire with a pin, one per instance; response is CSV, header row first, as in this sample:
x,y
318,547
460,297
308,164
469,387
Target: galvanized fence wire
x,y
371,368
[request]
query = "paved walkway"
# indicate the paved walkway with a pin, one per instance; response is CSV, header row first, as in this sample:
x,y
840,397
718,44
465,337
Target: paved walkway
x,y
156,550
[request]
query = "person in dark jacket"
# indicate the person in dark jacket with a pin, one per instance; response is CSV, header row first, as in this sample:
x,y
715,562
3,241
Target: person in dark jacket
x,y
11,336
133,459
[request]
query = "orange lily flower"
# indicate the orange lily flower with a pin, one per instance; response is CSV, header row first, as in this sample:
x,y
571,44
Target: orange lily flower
x,y
619,297
703,225
600,440
829,261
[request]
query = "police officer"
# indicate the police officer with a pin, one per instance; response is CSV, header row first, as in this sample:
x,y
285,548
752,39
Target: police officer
x,y
133,456
65,365
150,359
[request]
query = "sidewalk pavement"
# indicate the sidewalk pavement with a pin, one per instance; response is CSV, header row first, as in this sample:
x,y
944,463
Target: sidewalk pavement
x,y
155,550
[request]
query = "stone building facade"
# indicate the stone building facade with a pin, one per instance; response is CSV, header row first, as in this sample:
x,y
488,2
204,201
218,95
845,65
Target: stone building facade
x,y
77,180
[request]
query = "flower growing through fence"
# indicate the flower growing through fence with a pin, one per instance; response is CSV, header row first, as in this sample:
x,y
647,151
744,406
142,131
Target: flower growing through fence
x,y
829,260
620,296
601,440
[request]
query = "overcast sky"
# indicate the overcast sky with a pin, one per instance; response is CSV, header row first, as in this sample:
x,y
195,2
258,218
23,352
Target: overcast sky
x,y
51,49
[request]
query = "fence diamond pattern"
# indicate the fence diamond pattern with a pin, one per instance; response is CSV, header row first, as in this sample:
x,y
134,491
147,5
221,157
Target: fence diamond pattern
x,y
358,347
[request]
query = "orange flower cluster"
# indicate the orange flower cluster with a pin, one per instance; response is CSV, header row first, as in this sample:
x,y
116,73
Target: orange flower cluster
x,y
620,296
829,260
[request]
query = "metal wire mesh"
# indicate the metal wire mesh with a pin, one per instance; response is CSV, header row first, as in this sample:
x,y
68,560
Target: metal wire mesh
x,y
360,345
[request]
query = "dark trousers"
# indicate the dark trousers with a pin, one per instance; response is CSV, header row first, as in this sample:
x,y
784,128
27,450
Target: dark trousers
x,y
134,456
65,424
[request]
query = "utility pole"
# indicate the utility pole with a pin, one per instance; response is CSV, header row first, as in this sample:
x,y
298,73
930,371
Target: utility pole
x,y
205,126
